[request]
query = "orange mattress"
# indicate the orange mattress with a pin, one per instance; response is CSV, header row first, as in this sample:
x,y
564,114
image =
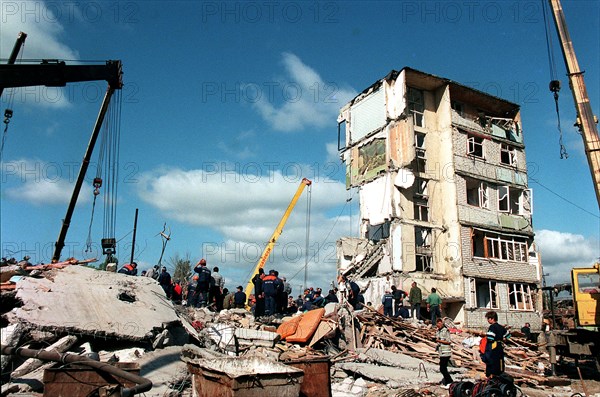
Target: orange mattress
x,y
288,327
307,326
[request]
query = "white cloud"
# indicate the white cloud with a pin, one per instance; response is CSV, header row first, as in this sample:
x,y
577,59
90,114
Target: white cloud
x,y
44,30
42,192
245,209
562,251
308,100
41,183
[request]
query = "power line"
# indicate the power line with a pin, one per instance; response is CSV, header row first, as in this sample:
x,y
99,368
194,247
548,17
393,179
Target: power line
x,y
563,198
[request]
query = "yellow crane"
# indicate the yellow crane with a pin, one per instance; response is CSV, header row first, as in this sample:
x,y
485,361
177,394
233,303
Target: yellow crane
x,y
584,338
271,244
586,121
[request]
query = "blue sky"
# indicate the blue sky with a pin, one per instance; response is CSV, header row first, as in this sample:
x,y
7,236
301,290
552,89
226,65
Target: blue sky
x,y
228,105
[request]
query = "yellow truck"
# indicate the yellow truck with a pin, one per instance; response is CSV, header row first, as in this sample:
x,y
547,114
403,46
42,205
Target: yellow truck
x,y
582,340
586,294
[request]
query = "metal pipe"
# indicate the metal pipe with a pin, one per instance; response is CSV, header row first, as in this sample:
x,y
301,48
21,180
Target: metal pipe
x,y
142,384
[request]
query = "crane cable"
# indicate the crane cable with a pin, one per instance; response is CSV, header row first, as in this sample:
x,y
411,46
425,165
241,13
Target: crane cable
x,y
108,164
308,205
326,237
554,82
8,112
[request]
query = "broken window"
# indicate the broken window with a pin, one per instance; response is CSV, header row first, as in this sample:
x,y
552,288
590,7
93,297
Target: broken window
x,y
482,119
527,202
378,232
421,209
478,243
416,105
519,297
457,107
342,131
503,197
423,263
492,245
486,293
508,155
477,193
420,200
475,146
514,201
421,187
420,145
423,249
506,248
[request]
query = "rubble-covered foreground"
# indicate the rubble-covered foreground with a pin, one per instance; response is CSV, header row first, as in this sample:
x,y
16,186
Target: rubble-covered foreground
x,y
135,334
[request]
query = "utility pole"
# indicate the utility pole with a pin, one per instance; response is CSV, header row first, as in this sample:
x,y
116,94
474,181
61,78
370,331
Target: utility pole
x,y
134,232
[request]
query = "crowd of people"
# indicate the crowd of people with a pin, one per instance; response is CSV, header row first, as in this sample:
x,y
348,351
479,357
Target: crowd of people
x,y
273,297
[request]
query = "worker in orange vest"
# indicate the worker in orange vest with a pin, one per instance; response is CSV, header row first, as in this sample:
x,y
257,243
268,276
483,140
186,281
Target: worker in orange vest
x,y
130,269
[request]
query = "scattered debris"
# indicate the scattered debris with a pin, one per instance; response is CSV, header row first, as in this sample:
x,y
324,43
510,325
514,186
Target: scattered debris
x,y
126,324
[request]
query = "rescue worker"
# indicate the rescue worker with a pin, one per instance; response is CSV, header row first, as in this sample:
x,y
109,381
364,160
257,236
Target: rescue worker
x,y
130,269
318,300
164,279
415,296
153,272
353,291
399,296
191,291
216,290
444,348
259,296
203,285
388,304
176,294
433,306
285,292
228,300
270,288
331,297
239,298
493,351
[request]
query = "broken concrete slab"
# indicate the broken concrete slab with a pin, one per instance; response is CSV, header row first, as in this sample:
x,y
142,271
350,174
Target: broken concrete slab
x,y
84,300
32,364
164,368
254,337
385,374
10,336
385,357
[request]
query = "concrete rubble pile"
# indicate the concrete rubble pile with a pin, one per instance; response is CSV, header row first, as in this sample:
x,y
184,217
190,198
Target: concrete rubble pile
x,y
127,322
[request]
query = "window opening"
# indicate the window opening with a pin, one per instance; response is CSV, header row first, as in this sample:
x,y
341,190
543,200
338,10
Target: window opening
x,y
487,294
508,155
416,106
477,193
475,146
519,297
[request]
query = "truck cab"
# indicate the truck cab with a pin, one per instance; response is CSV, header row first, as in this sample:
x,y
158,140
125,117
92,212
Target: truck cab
x,y
586,294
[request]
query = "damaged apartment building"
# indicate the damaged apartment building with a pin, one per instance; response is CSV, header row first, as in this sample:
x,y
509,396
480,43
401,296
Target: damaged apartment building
x,y
444,201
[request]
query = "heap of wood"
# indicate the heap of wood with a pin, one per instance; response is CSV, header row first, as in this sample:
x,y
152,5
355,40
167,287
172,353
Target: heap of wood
x,y
523,360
